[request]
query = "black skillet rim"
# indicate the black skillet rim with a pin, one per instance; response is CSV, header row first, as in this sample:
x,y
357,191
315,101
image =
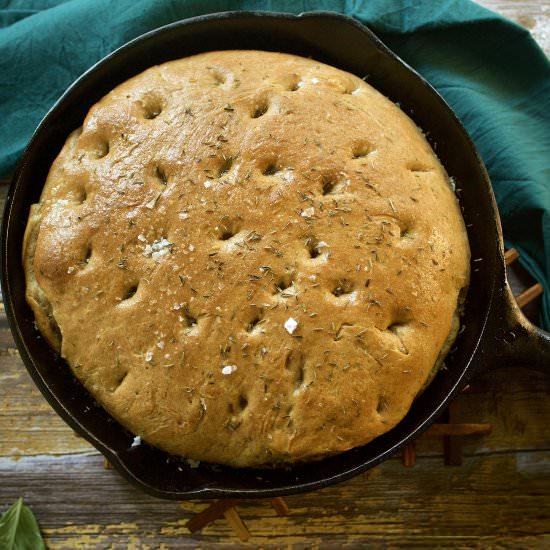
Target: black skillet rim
x,y
206,491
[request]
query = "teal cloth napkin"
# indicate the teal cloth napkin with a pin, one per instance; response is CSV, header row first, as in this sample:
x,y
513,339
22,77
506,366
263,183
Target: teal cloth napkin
x,y
489,69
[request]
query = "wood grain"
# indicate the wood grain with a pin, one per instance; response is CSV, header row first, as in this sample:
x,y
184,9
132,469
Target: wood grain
x,y
498,498
390,505
458,430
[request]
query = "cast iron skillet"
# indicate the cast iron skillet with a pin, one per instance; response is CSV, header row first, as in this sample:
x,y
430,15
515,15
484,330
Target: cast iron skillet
x,y
494,332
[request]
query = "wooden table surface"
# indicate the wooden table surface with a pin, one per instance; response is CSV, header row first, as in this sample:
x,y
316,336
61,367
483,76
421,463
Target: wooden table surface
x,y
498,498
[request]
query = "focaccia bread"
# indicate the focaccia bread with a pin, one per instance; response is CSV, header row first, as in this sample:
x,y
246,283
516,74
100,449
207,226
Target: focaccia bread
x,y
248,258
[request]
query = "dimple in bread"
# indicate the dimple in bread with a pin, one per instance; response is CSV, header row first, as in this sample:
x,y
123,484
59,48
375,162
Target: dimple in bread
x,y
248,258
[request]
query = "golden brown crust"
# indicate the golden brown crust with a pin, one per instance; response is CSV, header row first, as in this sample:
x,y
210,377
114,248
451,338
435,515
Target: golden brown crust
x,y
210,203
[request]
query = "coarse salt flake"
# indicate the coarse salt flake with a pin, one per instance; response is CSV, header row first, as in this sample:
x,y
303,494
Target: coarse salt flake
x,y
228,369
137,441
159,253
148,356
288,177
161,243
308,212
141,238
291,325
160,247
70,270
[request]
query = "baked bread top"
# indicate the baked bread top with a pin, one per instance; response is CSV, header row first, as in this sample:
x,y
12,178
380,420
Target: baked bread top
x,y
248,258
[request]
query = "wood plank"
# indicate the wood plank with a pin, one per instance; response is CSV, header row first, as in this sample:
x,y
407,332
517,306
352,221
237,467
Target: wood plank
x,y
463,429
422,507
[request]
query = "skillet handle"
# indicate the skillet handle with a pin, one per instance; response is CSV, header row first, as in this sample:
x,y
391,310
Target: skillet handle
x,y
512,340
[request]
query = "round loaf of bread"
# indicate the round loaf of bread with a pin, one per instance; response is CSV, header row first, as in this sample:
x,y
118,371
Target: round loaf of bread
x,y
248,258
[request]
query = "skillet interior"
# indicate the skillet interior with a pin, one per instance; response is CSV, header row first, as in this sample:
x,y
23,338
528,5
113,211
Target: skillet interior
x,y
335,40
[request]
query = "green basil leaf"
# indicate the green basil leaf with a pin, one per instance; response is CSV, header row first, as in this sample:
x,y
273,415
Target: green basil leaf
x,y
19,529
